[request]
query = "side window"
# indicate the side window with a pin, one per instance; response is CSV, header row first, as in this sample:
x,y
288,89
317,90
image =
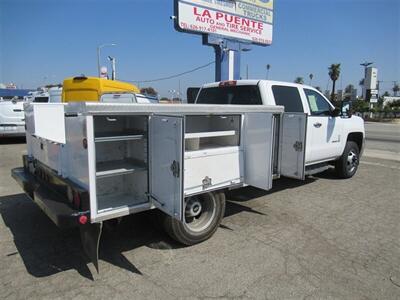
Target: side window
x,y
318,105
289,97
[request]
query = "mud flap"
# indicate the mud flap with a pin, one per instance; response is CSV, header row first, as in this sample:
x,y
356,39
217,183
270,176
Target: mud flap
x,y
90,237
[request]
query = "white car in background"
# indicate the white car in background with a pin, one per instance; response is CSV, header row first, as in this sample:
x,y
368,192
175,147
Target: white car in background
x,y
12,118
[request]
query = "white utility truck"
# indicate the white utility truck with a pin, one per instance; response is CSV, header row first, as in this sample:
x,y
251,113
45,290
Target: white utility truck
x,y
90,162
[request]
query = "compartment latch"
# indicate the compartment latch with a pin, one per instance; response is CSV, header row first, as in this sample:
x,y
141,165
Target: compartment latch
x,y
175,168
298,146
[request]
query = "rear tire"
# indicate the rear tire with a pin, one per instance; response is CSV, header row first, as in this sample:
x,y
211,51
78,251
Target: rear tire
x,y
202,217
347,165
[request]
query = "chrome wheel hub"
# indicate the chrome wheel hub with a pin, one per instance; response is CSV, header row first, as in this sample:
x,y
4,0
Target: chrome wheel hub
x,y
352,161
200,211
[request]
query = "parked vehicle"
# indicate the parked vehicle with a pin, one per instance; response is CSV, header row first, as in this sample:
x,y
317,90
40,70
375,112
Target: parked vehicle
x,y
78,89
102,161
12,119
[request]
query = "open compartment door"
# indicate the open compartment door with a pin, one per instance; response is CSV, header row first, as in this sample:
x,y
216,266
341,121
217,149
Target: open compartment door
x,y
293,145
258,139
166,157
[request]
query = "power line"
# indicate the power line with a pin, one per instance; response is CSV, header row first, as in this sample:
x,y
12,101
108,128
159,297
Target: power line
x,y
172,76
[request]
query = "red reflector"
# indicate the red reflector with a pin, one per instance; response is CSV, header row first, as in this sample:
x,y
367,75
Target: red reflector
x,y
83,220
228,83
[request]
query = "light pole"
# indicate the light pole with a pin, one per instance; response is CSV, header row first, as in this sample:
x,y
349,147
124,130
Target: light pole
x,y
98,54
113,74
268,67
173,92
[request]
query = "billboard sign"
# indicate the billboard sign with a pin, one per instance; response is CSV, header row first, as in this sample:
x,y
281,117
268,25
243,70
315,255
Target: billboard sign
x,y
244,20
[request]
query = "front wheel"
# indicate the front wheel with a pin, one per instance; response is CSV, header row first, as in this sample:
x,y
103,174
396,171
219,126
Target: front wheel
x,y
347,164
202,216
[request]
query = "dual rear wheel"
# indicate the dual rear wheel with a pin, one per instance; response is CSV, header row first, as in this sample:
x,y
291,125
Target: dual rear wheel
x,y
202,217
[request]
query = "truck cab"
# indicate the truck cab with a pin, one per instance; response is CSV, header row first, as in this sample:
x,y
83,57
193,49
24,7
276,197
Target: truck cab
x,y
329,131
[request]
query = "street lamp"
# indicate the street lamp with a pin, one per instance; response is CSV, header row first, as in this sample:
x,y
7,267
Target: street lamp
x,y
113,74
98,54
268,67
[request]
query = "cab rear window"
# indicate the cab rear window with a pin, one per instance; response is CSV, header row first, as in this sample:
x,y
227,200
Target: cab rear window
x,y
235,95
289,97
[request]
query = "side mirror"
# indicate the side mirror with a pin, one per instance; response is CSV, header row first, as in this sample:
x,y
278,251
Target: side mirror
x,y
346,109
336,112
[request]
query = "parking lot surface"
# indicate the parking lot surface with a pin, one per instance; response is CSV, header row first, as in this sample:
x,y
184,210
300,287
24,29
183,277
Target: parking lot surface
x,y
320,239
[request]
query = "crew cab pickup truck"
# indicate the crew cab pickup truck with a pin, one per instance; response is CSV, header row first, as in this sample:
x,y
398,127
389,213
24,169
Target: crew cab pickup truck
x,y
333,136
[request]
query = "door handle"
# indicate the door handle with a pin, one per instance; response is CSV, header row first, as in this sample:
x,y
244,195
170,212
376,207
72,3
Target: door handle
x,y
317,125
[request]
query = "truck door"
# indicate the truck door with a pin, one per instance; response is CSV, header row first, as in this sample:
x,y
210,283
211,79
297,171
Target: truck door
x,y
324,130
293,144
165,162
258,137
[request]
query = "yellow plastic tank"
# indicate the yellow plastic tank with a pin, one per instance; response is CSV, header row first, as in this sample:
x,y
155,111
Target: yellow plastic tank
x,y
90,89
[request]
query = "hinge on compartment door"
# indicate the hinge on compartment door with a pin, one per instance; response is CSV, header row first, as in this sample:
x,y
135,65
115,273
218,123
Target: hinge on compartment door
x,y
175,169
298,146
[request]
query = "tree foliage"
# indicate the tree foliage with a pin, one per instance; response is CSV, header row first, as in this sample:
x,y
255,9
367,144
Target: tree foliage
x,y
334,73
395,89
299,80
148,91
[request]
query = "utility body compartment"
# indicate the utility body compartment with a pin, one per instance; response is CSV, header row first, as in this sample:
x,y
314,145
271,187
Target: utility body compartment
x,y
137,157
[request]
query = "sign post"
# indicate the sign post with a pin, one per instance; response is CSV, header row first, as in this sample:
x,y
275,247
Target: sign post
x,y
229,26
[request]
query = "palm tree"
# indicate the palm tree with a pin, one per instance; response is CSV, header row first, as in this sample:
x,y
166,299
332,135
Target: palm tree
x,y
395,89
268,67
311,76
299,80
334,73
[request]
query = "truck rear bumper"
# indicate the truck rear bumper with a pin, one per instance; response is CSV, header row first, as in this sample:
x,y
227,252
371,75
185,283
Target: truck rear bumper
x,y
12,131
54,205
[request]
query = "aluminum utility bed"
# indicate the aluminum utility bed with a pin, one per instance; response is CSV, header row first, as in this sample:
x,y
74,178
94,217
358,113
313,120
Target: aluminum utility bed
x,y
128,158
133,157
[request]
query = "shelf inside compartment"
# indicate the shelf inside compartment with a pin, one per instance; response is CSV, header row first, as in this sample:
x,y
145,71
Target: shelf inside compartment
x,y
102,137
117,201
194,135
119,167
126,190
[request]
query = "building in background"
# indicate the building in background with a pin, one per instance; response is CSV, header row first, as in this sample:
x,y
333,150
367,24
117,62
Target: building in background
x,y
388,100
370,88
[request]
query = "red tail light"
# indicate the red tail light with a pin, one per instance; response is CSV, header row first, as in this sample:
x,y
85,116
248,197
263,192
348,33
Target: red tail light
x,y
83,219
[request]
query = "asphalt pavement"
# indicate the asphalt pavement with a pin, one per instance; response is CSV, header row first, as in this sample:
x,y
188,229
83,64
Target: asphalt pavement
x,y
320,239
